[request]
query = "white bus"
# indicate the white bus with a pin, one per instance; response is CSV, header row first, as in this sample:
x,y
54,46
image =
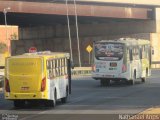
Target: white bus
x,y
124,59
41,76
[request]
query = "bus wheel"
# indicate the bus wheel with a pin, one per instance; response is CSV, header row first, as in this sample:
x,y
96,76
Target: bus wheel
x,y
55,99
107,82
132,82
102,82
19,103
64,99
143,79
51,103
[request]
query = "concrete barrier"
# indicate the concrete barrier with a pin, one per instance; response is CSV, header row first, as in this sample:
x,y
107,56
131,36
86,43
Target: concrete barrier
x,y
81,71
155,64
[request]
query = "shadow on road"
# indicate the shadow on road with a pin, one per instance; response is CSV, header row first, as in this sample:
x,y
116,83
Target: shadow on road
x,y
87,94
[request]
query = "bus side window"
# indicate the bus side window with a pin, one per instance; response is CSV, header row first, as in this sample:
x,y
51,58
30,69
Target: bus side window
x,y
65,66
146,51
62,66
54,68
59,67
47,64
130,55
143,52
140,55
49,69
137,53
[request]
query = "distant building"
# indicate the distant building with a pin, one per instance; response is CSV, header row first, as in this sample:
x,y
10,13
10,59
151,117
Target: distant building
x,y
8,33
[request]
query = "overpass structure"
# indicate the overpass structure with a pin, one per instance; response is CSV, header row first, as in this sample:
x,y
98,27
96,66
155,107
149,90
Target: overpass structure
x,y
44,24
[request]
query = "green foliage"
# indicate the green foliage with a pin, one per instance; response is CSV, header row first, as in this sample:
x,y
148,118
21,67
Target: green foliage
x,y
14,36
3,47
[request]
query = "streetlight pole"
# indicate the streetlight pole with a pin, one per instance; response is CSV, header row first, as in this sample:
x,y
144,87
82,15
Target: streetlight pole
x,y
78,42
5,10
69,31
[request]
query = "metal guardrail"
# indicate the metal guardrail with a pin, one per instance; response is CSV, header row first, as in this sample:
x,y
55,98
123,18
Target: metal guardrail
x,y
81,71
155,63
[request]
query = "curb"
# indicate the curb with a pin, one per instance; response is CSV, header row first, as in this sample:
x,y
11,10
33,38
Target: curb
x,y
155,110
148,114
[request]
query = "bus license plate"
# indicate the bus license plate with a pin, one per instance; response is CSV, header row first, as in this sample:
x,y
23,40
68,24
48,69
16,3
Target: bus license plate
x,y
113,64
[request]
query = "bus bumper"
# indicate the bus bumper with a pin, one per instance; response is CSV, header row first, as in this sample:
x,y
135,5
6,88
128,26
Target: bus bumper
x,y
122,76
18,96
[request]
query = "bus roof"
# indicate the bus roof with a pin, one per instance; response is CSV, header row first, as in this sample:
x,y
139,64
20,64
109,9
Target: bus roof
x,y
46,54
127,41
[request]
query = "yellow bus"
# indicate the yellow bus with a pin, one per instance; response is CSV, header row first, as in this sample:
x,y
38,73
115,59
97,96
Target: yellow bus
x,y
40,76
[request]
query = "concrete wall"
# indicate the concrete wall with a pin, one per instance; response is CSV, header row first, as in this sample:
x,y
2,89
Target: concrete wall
x,y
55,38
37,32
88,30
62,45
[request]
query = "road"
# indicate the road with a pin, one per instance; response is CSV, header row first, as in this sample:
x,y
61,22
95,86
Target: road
x,y
91,101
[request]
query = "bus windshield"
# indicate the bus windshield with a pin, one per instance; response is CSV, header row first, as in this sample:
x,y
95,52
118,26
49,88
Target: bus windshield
x,y
109,51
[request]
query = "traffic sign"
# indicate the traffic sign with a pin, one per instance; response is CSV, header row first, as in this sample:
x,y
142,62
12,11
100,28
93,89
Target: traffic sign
x,y
32,49
89,48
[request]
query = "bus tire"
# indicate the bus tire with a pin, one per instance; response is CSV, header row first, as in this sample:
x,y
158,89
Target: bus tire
x,y
19,103
107,82
102,82
55,98
144,78
132,81
64,99
147,74
51,103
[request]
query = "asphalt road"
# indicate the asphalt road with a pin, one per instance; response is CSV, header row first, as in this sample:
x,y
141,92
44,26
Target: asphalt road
x,y
91,101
